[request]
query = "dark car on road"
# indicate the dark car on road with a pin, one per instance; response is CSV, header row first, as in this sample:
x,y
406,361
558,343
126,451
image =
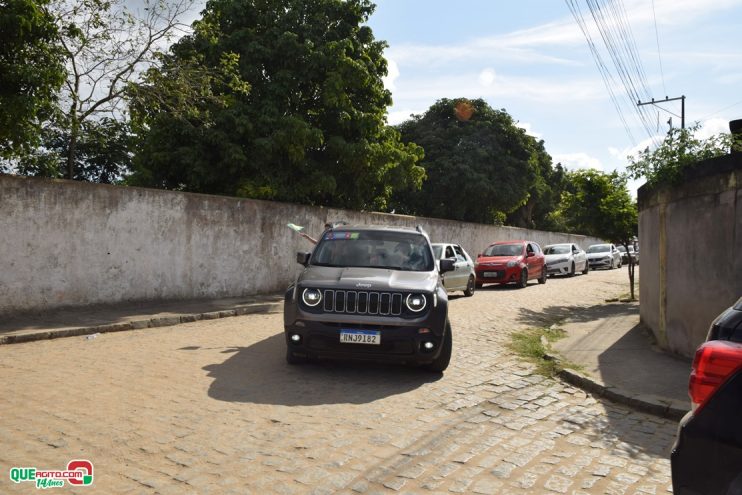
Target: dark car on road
x,y
511,261
707,456
370,293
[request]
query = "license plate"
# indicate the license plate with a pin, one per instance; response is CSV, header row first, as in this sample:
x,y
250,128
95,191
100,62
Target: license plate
x,y
360,337
491,274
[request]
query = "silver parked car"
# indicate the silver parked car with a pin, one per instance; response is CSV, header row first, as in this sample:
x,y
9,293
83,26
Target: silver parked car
x,y
625,255
604,256
463,276
565,259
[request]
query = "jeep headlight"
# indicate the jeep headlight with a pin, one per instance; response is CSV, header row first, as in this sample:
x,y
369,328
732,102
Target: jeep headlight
x,y
512,264
311,297
562,260
416,302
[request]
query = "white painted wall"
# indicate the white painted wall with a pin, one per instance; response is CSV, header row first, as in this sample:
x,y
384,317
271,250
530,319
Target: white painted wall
x,y
65,243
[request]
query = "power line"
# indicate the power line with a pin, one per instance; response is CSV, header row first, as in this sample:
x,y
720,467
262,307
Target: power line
x,y
721,110
612,22
659,54
602,69
617,42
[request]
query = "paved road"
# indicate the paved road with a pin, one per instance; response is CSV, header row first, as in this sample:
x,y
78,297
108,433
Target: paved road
x,y
211,407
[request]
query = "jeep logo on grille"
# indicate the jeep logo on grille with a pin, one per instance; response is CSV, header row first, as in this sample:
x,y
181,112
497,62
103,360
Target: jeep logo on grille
x,y
365,286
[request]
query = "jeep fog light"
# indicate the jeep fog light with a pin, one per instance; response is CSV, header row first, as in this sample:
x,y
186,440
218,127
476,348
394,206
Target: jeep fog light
x,y
416,302
311,297
295,338
428,346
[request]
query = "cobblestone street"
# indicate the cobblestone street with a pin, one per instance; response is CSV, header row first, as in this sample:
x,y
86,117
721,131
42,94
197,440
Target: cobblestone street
x,y
212,407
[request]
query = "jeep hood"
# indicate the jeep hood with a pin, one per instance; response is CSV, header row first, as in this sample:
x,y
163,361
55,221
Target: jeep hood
x,y
374,279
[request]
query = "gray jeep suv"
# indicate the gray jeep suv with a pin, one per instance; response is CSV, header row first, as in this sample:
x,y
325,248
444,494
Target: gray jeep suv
x,y
370,293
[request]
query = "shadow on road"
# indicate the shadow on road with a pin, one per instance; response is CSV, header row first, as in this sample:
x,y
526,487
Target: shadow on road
x,y
259,374
553,314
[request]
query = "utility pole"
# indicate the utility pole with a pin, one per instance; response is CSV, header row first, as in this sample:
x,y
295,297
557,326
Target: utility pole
x,y
682,107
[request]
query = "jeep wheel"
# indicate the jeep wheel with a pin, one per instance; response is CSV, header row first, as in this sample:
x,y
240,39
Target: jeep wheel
x,y
292,358
542,278
523,281
587,268
469,291
440,363
572,270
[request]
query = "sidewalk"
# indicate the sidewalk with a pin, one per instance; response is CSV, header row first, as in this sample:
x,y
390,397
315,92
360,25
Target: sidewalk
x,y
68,322
618,361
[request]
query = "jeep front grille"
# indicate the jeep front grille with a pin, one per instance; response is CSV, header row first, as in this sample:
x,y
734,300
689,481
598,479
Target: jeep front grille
x,y
362,303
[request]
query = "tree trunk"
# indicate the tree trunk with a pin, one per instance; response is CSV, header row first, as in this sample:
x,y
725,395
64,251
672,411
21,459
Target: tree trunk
x,y
71,149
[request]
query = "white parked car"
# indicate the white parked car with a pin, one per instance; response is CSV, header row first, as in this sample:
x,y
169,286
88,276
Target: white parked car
x,y
604,256
463,276
565,259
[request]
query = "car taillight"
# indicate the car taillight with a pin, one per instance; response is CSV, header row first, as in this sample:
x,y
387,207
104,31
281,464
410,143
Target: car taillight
x,y
715,361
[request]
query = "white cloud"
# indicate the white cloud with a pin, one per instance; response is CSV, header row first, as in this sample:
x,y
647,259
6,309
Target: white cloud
x,y
524,45
573,161
487,77
425,90
623,154
392,74
712,127
528,128
399,116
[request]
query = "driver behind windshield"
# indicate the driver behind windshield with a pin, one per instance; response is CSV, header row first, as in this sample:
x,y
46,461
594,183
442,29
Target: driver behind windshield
x,y
391,250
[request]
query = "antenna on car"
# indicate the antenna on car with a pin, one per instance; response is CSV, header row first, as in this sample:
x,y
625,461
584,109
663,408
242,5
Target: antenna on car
x,y
420,229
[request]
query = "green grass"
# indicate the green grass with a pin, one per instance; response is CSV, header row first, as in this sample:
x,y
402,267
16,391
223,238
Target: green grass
x,y
528,345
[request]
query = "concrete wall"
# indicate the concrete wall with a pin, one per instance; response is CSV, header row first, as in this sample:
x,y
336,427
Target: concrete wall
x,y
691,240
69,243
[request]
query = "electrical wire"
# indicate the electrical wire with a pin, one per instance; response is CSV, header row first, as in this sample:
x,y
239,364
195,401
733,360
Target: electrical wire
x,y
602,69
612,22
659,53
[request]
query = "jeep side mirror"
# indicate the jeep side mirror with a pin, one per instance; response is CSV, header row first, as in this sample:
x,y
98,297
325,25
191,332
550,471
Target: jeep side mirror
x,y
530,254
302,258
447,265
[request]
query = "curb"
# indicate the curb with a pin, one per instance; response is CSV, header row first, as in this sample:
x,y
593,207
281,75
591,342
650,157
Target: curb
x,y
162,321
664,408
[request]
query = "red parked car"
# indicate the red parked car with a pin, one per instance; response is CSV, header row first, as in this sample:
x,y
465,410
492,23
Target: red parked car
x,y
510,261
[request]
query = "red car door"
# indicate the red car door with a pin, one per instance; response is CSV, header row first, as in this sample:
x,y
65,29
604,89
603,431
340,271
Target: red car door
x,y
536,262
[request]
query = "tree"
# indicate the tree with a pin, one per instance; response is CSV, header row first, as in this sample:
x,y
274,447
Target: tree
x,y
104,151
599,205
31,72
543,194
680,150
105,47
302,120
479,165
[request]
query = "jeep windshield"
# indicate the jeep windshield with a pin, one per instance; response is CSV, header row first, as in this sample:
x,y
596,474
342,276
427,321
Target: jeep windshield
x,y
373,249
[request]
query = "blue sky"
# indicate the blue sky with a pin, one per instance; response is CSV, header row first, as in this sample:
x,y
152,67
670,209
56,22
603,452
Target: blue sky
x,y
531,59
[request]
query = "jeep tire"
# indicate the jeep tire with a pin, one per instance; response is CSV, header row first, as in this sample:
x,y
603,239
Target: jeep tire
x,y
440,363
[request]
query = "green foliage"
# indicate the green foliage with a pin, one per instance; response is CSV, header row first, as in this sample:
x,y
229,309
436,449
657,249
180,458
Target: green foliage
x,y
31,72
680,150
287,104
599,204
480,165
543,195
529,344
103,152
